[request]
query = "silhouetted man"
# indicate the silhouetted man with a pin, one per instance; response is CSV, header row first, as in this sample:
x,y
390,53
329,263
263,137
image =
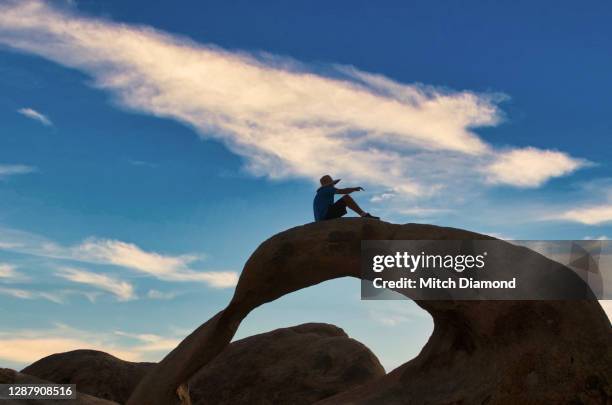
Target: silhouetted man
x,y
324,206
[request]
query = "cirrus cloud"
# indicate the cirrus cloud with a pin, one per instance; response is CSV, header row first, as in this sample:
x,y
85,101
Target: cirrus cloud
x,y
101,251
24,346
9,274
530,167
123,290
284,118
35,115
20,293
588,215
12,170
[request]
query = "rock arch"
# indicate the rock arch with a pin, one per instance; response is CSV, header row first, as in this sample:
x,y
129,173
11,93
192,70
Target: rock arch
x,y
493,352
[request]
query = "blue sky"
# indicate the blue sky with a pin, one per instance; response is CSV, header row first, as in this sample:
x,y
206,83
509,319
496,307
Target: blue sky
x,y
147,149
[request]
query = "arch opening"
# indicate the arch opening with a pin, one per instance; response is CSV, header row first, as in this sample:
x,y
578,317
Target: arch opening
x,y
394,330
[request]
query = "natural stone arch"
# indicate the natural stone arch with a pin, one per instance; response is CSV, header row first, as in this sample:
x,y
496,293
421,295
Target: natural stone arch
x,y
479,351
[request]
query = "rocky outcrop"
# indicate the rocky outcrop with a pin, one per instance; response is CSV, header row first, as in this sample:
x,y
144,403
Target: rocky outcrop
x,y
8,376
297,365
94,372
480,352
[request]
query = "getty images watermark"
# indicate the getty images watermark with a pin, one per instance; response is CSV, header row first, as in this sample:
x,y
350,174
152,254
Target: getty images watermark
x,y
486,270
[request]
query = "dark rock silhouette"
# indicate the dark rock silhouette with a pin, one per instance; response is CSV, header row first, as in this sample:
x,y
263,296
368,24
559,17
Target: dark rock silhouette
x,y
481,352
94,372
8,376
297,365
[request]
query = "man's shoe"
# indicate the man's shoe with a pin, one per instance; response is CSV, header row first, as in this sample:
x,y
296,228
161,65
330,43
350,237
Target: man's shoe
x,y
368,215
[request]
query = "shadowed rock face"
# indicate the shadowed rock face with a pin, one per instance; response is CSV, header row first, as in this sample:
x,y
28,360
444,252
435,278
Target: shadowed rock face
x,y
94,372
8,376
297,365
494,352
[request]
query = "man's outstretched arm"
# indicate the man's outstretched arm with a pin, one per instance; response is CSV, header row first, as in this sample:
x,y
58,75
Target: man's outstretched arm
x,y
348,190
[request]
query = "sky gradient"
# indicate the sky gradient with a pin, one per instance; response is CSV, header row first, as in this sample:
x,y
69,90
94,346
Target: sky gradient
x,y
147,149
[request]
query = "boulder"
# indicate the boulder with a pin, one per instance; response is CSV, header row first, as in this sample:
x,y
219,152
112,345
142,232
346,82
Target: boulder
x,y
480,352
297,365
94,372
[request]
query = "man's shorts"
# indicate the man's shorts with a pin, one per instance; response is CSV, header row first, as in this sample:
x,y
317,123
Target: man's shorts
x,y
336,210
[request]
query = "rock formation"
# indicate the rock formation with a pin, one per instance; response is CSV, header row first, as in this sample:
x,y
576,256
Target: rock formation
x,y
480,352
95,373
8,376
297,365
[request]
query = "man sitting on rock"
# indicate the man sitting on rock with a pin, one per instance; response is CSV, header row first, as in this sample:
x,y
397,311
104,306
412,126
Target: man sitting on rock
x,y
324,206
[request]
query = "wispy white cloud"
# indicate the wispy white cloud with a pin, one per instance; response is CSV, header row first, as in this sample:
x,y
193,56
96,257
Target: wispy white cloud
x,y
160,295
142,163
394,313
35,115
27,346
383,197
588,203
151,342
12,170
8,273
117,253
386,319
588,215
16,293
123,290
8,245
92,296
128,255
284,118
24,346
170,268
56,297
423,211
29,349
530,167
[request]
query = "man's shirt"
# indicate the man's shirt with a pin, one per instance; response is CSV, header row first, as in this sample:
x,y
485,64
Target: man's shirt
x,y
322,201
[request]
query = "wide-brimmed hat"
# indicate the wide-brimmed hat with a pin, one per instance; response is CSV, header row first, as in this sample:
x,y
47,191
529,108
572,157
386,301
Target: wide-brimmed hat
x,y
328,181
